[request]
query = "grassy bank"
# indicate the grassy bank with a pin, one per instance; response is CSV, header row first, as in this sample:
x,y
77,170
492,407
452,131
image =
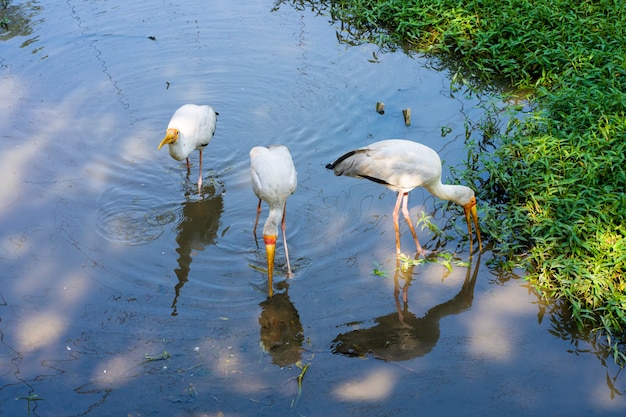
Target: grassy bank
x,y
556,181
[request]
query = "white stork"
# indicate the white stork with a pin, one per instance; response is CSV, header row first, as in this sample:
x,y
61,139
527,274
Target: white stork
x,y
190,128
274,179
402,165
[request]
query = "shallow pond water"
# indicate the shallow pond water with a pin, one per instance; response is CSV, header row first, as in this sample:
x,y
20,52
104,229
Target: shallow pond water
x,y
110,252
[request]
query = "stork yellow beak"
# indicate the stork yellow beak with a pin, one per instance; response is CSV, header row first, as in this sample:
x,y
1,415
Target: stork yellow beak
x,y
470,209
171,136
270,249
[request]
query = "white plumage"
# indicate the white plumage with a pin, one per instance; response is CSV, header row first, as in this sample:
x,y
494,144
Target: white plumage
x,y
190,128
402,165
274,179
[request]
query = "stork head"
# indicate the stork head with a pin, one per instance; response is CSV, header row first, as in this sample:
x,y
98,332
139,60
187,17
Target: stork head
x,y
171,136
270,249
470,209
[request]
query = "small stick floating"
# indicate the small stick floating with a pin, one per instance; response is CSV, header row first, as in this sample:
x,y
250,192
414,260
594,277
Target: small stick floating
x,y
407,116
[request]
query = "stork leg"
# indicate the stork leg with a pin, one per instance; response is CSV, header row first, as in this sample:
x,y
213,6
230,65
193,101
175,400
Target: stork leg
x,y
403,199
405,212
256,222
396,209
199,176
285,242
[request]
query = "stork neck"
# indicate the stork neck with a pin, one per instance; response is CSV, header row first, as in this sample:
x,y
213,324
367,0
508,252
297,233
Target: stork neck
x,y
448,192
176,149
273,220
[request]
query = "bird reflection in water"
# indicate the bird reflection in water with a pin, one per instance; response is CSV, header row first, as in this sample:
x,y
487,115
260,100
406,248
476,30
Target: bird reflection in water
x,y
400,335
196,230
281,331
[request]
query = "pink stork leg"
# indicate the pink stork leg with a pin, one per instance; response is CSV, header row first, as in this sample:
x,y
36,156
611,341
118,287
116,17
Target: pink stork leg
x,y
200,176
405,212
285,242
256,222
396,209
403,198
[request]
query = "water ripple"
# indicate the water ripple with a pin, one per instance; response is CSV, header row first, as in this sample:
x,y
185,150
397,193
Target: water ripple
x,y
126,219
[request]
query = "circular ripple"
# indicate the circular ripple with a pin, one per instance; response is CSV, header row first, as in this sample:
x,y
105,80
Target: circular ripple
x,y
130,220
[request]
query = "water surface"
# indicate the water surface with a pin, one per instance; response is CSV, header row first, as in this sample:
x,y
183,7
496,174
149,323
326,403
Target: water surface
x,y
110,252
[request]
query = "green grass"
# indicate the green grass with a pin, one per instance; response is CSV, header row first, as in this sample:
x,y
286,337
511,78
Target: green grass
x,y
554,181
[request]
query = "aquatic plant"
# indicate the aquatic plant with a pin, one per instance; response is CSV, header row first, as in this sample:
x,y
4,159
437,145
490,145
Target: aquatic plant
x,y
30,399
